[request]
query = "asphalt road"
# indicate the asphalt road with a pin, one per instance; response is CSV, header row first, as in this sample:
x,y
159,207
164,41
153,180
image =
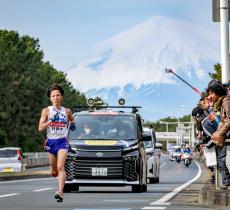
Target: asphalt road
x,y
37,194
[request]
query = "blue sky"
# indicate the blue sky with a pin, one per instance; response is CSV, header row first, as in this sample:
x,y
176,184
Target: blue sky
x,y
70,30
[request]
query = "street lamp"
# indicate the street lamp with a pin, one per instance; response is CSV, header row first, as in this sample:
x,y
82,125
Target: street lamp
x,y
191,124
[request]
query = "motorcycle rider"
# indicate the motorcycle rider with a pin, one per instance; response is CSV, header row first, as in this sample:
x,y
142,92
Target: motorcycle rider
x,y
187,149
187,155
178,152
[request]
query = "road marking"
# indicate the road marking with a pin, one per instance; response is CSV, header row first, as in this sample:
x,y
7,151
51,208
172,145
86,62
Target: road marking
x,y
163,164
103,209
7,195
170,195
25,180
39,190
159,188
163,204
151,207
126,201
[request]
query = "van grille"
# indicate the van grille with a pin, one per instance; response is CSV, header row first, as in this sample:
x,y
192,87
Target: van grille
x,y
81,168
117,168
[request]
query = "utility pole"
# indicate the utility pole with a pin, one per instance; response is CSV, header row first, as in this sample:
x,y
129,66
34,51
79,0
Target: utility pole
x,y
220,13
224,31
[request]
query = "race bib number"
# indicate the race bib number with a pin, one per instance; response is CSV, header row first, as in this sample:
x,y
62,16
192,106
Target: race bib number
x,y
57,128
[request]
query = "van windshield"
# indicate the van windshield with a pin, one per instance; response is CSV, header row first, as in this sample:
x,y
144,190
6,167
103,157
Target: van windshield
x,y
8,153
96,126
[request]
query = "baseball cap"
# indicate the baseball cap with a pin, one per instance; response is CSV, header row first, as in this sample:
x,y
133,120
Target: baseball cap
x,y
197,111
227,84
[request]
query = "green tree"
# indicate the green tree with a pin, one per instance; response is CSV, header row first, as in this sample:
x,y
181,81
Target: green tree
x,y
217,72
161,127
24,79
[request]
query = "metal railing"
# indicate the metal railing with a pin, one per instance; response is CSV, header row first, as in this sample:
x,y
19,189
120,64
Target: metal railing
x,y
33,159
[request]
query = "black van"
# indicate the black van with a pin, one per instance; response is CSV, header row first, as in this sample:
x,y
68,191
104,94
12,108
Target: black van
x,y
107,149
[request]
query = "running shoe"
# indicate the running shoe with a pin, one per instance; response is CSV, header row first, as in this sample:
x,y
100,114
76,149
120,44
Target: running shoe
x,y
58,196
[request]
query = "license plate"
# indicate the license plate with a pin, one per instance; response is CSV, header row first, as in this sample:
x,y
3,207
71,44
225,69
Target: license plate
x,y
99,171
7,170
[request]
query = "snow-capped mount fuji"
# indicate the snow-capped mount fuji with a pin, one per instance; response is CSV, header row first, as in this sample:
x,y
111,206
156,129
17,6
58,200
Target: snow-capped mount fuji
x,y
132,64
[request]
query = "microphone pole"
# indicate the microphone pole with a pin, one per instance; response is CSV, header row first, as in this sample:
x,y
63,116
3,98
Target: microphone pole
x,y
195,89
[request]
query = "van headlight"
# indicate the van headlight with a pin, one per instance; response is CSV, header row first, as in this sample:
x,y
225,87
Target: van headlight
x,y
132,155
130,148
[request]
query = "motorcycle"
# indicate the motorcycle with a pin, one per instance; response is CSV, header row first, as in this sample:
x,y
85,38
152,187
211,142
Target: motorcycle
x,y
187,158
178,157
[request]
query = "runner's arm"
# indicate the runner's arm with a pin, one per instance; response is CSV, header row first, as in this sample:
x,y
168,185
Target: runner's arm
x,y
43,123
70,115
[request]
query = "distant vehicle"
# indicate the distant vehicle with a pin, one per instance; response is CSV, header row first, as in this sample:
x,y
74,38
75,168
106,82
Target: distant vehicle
x,y
158,148
11,159
107,149
153,156
187,158
178,156
174,153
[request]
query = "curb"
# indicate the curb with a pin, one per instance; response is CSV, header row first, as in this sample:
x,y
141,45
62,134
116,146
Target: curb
x,y
210,197
207,195
23,177
27,175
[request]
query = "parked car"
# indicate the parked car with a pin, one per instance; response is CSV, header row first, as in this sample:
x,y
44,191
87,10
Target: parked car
x,y
11,159
153,156
107,149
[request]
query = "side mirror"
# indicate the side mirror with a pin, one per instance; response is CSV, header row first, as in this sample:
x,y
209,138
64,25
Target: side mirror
x,y
146,137
158,145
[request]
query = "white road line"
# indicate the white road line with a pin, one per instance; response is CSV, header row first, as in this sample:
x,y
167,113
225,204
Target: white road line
x,y
7,195
39,190
25,180
125,201
159,188
170,195
164,163
104,209
151,207
162,204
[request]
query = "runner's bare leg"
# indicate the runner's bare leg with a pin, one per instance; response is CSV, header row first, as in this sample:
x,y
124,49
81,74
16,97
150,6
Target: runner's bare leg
x,y
61,158
53,164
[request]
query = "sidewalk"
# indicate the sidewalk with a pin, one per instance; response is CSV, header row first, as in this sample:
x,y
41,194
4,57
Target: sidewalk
x,y
24,175
201,193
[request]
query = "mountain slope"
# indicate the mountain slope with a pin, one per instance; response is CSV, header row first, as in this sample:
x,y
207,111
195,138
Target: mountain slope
x,y
132,63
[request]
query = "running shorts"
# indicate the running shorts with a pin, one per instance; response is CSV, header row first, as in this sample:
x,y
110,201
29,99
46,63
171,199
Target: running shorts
x,y
54,145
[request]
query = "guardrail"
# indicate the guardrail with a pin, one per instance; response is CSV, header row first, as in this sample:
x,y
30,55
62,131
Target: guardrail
x,y
34,159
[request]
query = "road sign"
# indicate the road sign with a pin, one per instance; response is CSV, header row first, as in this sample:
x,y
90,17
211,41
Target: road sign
x,y
216,10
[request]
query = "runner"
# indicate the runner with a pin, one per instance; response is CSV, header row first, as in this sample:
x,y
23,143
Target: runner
x,y
55,119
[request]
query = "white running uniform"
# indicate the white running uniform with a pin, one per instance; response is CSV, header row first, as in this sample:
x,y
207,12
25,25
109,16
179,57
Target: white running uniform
x,y
58,128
